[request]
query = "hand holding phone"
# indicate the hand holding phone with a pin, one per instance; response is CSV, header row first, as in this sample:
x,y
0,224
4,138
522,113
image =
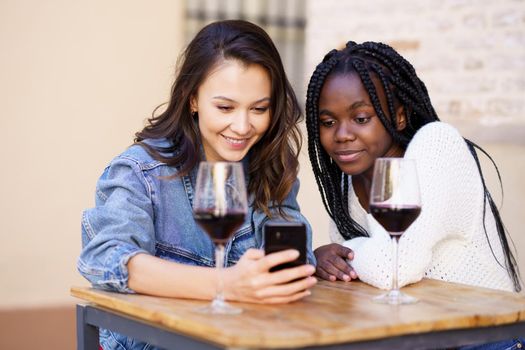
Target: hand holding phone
x,y
282,235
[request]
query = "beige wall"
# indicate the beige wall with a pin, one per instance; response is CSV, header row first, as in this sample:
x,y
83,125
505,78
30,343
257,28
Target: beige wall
x,y
77,79
470,54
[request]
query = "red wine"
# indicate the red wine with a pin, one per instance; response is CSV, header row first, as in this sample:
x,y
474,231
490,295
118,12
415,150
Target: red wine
x,y
219,228
395,219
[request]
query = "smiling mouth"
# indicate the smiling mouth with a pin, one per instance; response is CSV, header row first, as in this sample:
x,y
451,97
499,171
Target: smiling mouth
x,y
235,142
348,156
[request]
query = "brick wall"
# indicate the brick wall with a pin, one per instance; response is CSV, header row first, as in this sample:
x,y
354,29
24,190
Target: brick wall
x,y
470,53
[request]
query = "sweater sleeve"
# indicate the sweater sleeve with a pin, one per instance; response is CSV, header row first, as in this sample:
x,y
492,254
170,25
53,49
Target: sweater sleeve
x,y
451,195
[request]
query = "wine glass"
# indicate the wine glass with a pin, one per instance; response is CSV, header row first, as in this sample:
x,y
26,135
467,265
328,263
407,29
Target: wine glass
x,y
219,207
395,203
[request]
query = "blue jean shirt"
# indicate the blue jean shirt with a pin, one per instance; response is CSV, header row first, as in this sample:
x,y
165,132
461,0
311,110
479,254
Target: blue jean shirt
x,y
138,210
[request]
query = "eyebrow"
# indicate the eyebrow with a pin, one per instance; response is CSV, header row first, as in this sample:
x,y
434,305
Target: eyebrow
x,y
264,99
353,106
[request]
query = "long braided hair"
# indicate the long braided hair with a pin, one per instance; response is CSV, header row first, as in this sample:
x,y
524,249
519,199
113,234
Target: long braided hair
x,y
397,78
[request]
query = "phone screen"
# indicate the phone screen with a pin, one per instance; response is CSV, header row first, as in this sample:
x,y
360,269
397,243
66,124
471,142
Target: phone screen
x,y
281,235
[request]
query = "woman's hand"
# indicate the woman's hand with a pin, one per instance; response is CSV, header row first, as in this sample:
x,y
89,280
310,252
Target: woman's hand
x,y
250,279
331,262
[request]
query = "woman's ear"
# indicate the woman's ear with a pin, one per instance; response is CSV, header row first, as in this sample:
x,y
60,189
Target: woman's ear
x,y
193,104
401,118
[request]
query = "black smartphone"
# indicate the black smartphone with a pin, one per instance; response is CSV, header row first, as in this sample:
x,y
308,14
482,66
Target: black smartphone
x,y
281,235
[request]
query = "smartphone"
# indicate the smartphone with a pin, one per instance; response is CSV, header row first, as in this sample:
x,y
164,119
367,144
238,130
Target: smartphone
x,y
281,235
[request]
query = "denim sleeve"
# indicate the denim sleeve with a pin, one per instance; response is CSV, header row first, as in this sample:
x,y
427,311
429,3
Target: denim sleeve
x,y
293,213
118,227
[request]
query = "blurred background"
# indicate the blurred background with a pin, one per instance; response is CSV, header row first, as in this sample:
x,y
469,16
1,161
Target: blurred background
x,y
79,78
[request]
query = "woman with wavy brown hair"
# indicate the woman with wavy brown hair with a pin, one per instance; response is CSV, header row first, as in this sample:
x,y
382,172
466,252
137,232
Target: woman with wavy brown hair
x,y
231,101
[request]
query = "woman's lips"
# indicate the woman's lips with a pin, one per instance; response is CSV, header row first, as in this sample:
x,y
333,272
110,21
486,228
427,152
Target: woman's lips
x,y
347,156
236,143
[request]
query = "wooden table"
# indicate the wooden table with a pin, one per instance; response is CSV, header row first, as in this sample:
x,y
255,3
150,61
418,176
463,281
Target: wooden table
x,y
337,315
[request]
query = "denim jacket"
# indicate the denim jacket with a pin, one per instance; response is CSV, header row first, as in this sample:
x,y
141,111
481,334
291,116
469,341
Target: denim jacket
x,y
138,210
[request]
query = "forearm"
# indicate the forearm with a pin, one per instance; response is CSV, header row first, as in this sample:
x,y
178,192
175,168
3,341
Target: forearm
x,y
372,260
154,276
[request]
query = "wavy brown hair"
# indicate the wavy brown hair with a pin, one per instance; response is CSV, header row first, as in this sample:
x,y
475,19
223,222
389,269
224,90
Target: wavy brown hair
x,y
273,160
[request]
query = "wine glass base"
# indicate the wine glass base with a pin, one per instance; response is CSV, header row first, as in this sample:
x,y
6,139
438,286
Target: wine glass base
x,y
219,307
395,297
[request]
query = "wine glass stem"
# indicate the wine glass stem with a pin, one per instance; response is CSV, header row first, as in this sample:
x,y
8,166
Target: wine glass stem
x,y
219,263
395,241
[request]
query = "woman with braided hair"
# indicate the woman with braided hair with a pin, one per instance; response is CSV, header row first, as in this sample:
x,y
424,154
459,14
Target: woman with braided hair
x,y
365,101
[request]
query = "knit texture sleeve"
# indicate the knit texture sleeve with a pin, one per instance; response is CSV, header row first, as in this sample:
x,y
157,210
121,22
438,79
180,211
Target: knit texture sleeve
x,y
451,196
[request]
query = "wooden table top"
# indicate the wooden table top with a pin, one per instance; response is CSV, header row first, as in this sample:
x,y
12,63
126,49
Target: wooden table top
x,y
336,312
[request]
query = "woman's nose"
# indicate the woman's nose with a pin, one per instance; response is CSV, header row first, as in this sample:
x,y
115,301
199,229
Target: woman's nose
x,y
241,124
344,133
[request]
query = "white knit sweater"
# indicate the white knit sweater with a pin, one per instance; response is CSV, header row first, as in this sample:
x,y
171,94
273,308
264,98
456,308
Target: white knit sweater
x,y
447,241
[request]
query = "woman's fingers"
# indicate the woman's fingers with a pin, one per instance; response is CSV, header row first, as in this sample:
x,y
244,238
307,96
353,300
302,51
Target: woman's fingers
x,y
342,266
335,270
282,276
253,254
321,273
253,281
333,249
332,262
283,299
278,258
287,289
343,251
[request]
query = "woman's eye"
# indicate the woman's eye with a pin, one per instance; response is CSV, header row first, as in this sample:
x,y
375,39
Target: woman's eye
x,y
260,109
362,120
225,108
327,123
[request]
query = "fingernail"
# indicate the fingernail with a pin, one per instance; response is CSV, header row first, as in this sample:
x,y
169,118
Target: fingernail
x,y
350,255
310,269
294,254
346,277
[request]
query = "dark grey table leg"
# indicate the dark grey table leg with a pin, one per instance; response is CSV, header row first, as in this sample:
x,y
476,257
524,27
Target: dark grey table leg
x,y
87,334
89,318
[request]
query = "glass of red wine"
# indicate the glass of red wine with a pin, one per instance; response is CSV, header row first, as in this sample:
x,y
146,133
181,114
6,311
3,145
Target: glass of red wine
x,y
220,207
395,203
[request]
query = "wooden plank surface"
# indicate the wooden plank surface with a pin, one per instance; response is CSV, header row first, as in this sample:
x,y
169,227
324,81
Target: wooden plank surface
x,y
336,312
